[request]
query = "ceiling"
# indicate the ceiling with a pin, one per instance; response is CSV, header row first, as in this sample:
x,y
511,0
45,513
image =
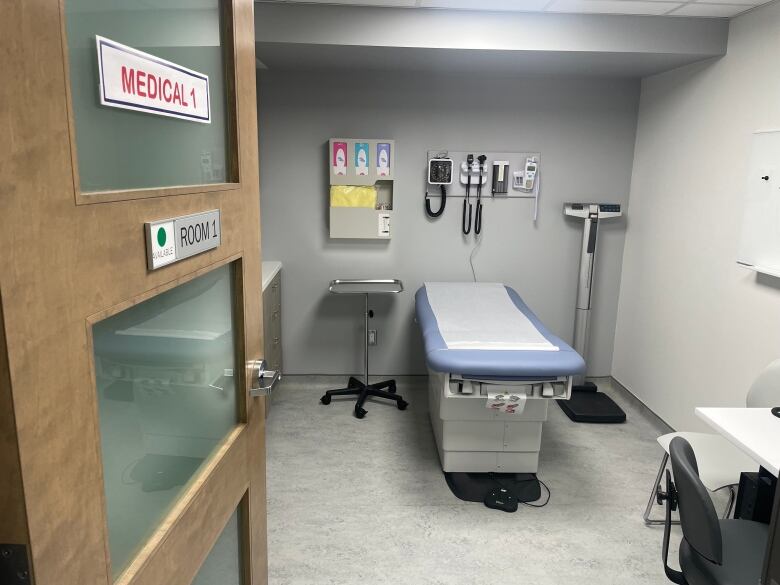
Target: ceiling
x,y
690,8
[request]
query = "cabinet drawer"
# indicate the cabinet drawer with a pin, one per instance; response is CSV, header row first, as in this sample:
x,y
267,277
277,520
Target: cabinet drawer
x,y
274,358
272,323
272,342
272,319
267,317
272,327
272,311
274,291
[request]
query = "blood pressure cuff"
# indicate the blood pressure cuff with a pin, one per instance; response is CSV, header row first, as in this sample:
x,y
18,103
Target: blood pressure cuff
x,y
352,196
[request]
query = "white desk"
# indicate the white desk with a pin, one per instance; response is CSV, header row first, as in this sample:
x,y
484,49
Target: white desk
x,y
754,430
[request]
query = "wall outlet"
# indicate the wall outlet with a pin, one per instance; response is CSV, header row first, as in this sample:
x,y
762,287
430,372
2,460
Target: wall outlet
x,y
372,339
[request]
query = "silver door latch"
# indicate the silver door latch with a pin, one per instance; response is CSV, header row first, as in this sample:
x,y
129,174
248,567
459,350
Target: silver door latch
x,y
263,381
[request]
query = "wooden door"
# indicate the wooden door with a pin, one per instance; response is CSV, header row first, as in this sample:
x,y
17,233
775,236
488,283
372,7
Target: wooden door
x,y
73,266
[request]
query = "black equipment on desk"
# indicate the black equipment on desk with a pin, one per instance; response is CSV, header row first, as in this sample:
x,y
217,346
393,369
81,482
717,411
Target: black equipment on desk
x,y
771,573
755,496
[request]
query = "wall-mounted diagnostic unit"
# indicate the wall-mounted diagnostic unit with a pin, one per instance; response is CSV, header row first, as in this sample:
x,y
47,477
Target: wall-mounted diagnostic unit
x,y
439,174
508,175
500,177
361,172
440,171
525,180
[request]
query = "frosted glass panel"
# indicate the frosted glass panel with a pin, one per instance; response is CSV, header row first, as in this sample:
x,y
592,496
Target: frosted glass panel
x,y
123,149
166,398
223,565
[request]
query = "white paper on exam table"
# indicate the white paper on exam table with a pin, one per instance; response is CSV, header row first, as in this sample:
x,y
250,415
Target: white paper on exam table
x,y
482,316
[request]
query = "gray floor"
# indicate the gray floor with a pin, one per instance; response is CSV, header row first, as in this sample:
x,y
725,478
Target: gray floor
x,y
364,501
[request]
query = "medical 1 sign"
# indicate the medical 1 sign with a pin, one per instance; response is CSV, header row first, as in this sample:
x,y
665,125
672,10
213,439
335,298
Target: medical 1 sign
x,y
134,80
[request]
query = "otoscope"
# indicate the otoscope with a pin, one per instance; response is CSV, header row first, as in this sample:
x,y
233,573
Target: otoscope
x,y
467,201
478,219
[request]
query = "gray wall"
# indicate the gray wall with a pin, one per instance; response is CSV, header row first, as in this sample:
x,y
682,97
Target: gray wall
x,y
584,129
695,329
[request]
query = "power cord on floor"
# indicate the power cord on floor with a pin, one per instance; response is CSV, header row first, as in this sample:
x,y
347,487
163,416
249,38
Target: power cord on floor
x,y
546,501
510,489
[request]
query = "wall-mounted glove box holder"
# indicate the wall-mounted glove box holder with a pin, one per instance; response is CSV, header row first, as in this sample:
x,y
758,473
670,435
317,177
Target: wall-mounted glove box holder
x,y
362,172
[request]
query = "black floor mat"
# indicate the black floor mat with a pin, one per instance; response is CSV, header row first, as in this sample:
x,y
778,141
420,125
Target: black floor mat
x,y
473,487
592,407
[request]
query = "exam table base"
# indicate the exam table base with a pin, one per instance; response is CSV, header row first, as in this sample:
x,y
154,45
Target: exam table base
x,y
363,391
472,439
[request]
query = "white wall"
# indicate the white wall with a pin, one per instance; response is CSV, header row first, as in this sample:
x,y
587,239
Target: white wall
x,y
693,328
584,128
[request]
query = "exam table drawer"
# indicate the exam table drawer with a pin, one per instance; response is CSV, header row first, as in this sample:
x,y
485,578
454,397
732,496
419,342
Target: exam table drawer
x,y
467,435
489,462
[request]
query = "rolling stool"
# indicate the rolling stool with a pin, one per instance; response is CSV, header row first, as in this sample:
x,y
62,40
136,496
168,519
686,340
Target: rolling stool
x,y
355,387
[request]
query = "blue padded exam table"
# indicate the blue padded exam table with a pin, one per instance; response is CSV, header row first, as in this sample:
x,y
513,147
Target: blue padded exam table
x,y
471,437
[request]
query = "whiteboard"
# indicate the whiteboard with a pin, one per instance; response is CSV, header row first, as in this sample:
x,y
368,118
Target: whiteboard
x,y
759,246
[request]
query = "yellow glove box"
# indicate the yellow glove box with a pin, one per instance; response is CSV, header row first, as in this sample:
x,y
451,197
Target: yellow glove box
x,y
353,196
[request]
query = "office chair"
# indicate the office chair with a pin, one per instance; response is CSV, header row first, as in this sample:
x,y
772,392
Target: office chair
x,y
713,551
720,462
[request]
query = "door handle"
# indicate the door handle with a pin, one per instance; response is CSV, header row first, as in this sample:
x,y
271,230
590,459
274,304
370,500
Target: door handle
x,y
263,381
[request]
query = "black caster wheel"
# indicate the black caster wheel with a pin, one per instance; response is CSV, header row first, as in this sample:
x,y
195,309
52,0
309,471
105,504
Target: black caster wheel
x,y
360,412
391,389
402,404
325,399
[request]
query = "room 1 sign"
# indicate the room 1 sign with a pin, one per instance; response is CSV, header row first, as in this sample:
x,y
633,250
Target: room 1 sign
x,y
174,239
133,80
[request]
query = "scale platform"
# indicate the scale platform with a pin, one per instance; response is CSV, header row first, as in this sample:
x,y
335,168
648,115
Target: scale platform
x,y
588,405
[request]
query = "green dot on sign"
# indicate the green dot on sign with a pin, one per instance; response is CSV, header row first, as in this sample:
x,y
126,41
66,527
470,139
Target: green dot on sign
x,y
161,236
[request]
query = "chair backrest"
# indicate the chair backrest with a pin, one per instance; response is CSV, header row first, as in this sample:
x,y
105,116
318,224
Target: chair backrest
x,y
698,518
765,391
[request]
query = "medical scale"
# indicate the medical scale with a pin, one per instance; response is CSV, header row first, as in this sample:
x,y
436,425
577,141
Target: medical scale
x,y
586,405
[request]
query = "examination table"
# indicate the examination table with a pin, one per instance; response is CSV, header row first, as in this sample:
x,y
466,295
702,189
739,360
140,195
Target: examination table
x,y
482,340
